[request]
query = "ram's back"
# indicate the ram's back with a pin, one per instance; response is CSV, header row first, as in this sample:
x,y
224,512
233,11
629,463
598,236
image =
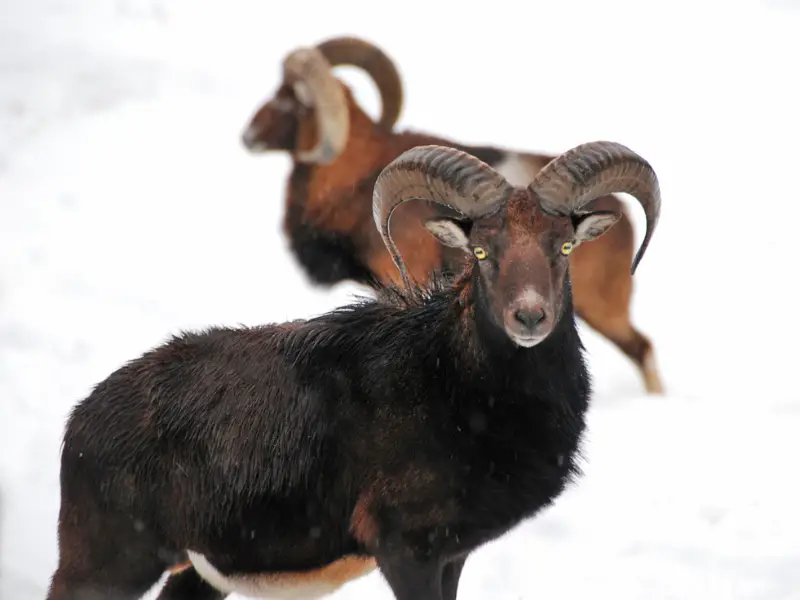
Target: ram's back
x,y
217,410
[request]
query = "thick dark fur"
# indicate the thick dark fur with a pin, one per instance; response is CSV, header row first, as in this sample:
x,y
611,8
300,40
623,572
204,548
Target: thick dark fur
x,y
328,258
258,446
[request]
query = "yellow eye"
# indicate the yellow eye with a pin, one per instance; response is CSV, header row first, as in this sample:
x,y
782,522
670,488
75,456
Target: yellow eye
x,y
567,247
480,253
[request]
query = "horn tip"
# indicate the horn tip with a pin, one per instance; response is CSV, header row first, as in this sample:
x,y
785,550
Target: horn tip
x,y
636,260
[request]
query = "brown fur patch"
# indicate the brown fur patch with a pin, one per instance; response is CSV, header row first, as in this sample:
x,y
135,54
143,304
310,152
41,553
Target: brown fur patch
x,y
179,568
336,573
363,525
405,491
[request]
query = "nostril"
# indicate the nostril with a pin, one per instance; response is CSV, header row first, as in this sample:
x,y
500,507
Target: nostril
x,y
529,317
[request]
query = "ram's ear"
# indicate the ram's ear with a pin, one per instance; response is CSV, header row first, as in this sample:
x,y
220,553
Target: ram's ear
x,y
590,226
449,232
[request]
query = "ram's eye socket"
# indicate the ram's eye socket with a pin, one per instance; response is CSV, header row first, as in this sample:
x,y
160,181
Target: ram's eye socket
x,y
479,253
567,247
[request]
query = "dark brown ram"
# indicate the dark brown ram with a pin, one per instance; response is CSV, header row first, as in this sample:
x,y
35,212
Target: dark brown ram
x,y
403,432
338,151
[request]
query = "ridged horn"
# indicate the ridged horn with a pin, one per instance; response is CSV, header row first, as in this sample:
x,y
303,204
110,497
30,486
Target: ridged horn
x,y
310,74
438,174
377,64
573,179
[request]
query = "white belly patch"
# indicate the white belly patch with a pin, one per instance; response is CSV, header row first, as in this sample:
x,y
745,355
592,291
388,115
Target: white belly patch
x,y
287,585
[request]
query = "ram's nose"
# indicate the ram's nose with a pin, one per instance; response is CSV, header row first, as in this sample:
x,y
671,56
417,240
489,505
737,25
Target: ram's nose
x,y
250,139
530,317
527,319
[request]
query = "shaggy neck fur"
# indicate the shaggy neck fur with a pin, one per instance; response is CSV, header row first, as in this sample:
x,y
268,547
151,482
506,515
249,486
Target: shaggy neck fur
x,y
450,318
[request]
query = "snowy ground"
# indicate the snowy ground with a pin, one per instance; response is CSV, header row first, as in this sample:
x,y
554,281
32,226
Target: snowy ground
x,y
129,211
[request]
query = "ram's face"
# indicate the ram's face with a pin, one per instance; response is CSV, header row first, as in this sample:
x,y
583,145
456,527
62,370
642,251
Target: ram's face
x,y
520,254
275,125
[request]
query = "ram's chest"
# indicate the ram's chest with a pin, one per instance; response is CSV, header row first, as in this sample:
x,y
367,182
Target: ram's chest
x,y
333,201
340,195
516,482
466,481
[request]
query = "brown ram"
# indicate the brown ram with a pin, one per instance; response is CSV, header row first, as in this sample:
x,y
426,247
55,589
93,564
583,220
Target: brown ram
x,y
403,433
338,152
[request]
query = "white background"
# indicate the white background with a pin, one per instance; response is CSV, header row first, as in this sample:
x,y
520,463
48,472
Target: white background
x,y
129,210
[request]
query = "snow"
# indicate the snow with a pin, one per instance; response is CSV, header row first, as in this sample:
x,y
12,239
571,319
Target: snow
x,y
130,211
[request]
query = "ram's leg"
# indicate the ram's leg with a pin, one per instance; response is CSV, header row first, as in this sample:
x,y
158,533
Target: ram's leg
x,y
602,289
450,576
103,558
607,313
412,580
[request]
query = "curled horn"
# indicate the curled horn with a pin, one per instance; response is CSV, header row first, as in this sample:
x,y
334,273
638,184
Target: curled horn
x,y
382,70
573,179
310,74
445,176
